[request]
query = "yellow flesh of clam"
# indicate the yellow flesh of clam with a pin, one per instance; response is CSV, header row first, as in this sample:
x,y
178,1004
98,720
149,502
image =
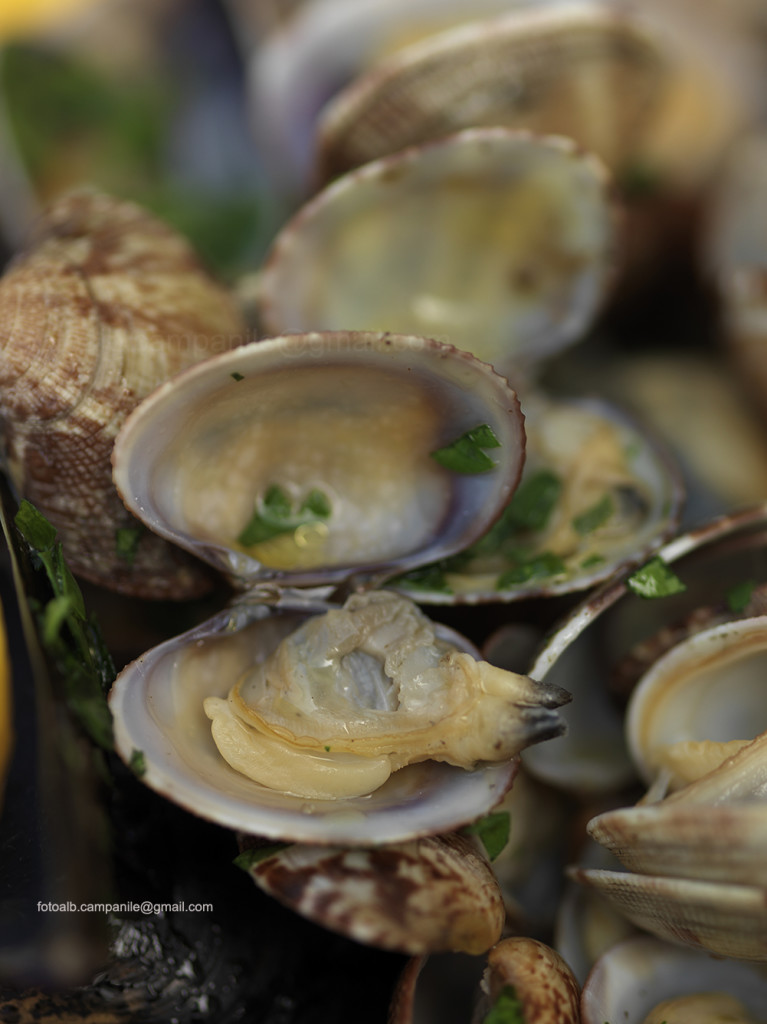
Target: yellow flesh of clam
x,y
701,1008
359,692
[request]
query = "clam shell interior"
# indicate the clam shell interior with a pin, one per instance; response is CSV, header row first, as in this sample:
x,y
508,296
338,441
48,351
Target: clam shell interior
x,y
635,975
354,418
157,703
710,687
597,454
492,240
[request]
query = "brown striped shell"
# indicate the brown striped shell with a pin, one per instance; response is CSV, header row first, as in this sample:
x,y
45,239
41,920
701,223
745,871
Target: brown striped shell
x,y
423,896
105,303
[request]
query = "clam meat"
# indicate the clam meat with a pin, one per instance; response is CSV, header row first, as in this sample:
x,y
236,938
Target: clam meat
x,y
356,693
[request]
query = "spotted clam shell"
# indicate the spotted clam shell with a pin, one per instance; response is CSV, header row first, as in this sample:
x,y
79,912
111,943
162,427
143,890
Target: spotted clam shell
x,y
105,304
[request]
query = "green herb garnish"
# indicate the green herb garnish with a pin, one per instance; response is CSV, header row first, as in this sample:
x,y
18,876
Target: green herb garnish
x,y
127,541
507,1008
275,515
538,567
466,454
739,596
250,858
493,831
592,561
70,637
429,577
534,501
594,517
237,376
655,579
137,763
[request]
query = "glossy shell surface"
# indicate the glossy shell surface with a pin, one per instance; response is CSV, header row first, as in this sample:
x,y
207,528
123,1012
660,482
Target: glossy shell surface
x,y
355,417
495,241
157,704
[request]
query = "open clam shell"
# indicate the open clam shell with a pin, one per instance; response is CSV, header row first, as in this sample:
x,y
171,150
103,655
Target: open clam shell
x,y
597,636
723,918
724,842
701,697
554,68
157,703
636,975
309,457
597,494
496,241
323,46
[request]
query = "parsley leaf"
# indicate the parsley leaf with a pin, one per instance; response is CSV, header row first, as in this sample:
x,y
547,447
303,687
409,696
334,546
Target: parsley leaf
x,y
533,502
466,454
137,762
127,541
237,376
493,831
507,1008
429,577
655,579
595,516
739,596
72,640
250,858
274,515
538,567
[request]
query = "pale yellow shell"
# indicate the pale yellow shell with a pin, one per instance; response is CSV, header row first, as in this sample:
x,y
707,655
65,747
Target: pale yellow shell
x,y
104,305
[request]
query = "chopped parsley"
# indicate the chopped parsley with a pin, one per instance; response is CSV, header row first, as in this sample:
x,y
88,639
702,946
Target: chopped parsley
x,y
275,515
537,567
592,561
127,541
655,579
72,639
137,763
430,578
534,501
492,830
248,859
594,517
739,596
507,1008
467,453
237,376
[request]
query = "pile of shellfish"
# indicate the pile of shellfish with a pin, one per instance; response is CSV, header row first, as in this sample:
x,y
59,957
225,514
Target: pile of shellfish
x,y
457,585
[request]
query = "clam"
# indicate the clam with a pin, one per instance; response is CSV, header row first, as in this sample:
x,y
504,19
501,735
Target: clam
x,y
105,304
423,896
634,977
307,458
495,241
590,646
326,44
371,426
553,68
695,727
596,494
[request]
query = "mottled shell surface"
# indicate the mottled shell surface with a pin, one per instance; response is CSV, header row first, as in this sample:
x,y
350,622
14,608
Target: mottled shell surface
x,y
542,981
105,304
427,896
